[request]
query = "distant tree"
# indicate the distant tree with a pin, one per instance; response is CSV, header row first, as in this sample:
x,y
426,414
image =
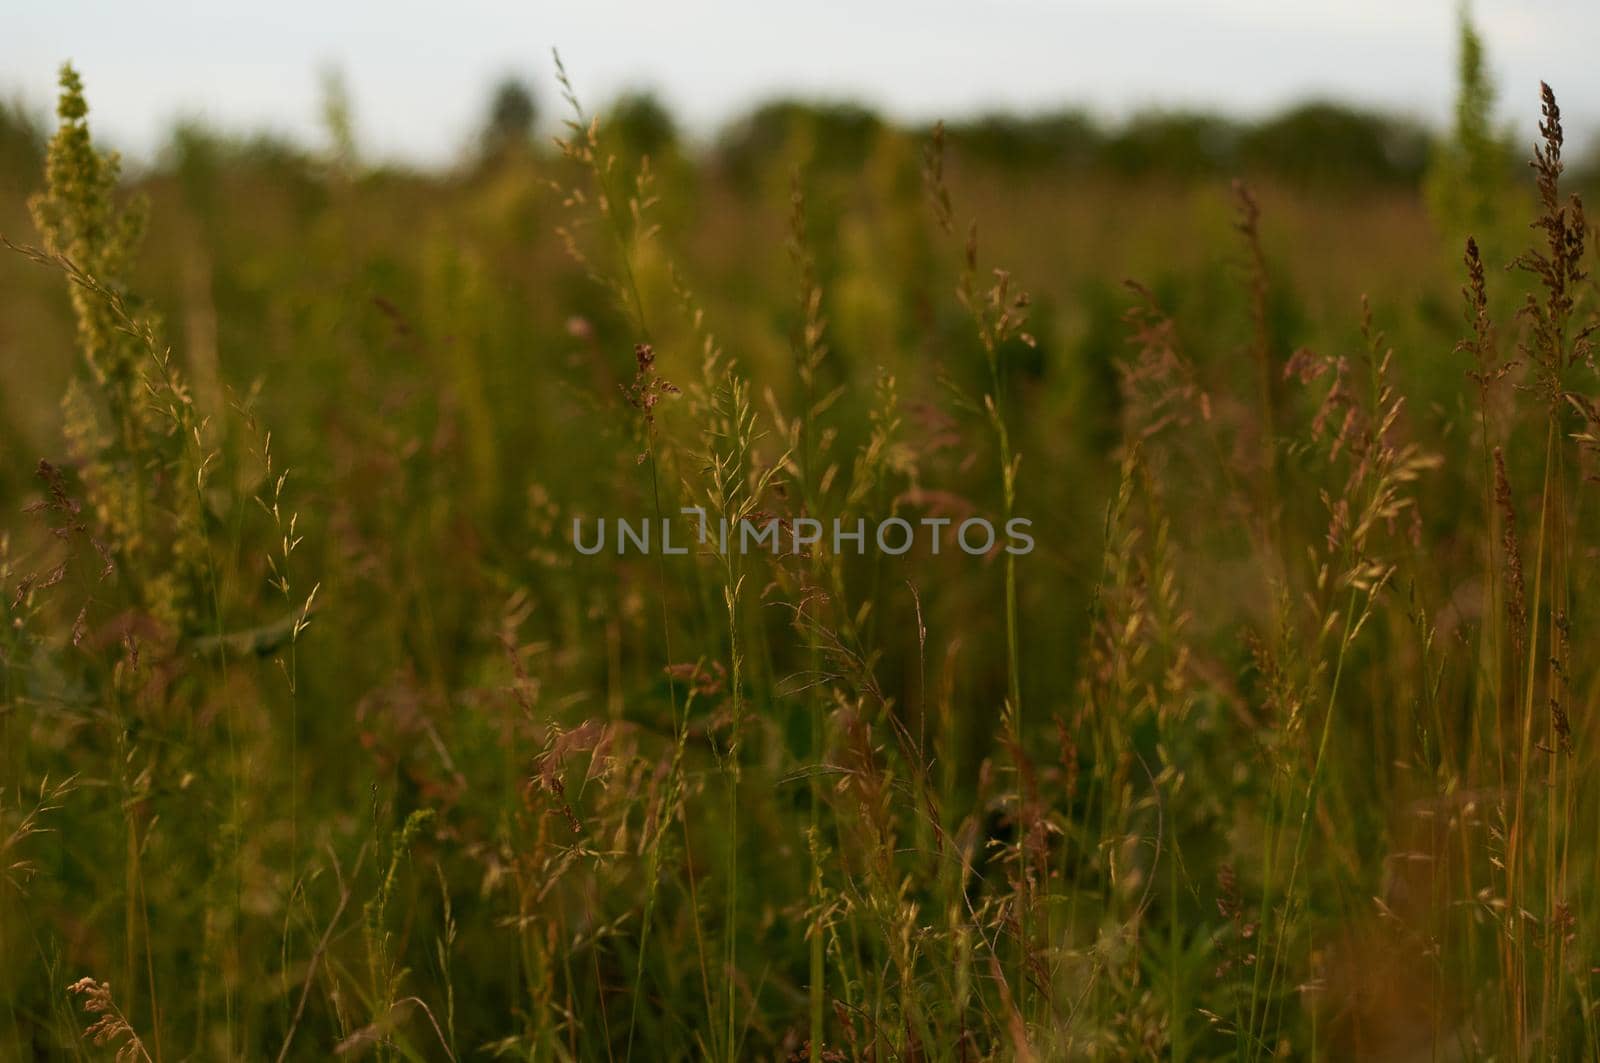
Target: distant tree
x,y
639,124
1331,144
1062,138
22,142
200,156
1180,144
835,136
512,113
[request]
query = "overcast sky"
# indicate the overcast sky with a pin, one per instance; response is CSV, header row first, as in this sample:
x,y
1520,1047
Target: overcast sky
x,y
419,74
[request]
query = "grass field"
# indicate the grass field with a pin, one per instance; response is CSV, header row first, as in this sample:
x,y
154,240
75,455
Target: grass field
x,y
321,738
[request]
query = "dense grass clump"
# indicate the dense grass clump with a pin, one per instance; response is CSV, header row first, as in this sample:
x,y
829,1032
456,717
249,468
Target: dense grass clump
x,y
320,737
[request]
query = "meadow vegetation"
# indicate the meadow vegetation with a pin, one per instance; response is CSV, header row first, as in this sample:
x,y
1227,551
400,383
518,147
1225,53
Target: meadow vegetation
x,y
318,738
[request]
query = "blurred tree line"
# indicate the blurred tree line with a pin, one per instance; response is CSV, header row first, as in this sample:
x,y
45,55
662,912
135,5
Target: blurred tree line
x,y
1318,144
1313,143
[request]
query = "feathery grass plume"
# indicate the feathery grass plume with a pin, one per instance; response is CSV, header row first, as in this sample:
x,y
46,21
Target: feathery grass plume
x,y
1269,371
809,439
64,521
1511,546
1188,438
384,973
1558,265
632,233
1359,429
884,454
1537,860
1160,387
841,650
1248,226
733,487
623,212
1487,369
111,1029
15,867
646,391
1138,681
